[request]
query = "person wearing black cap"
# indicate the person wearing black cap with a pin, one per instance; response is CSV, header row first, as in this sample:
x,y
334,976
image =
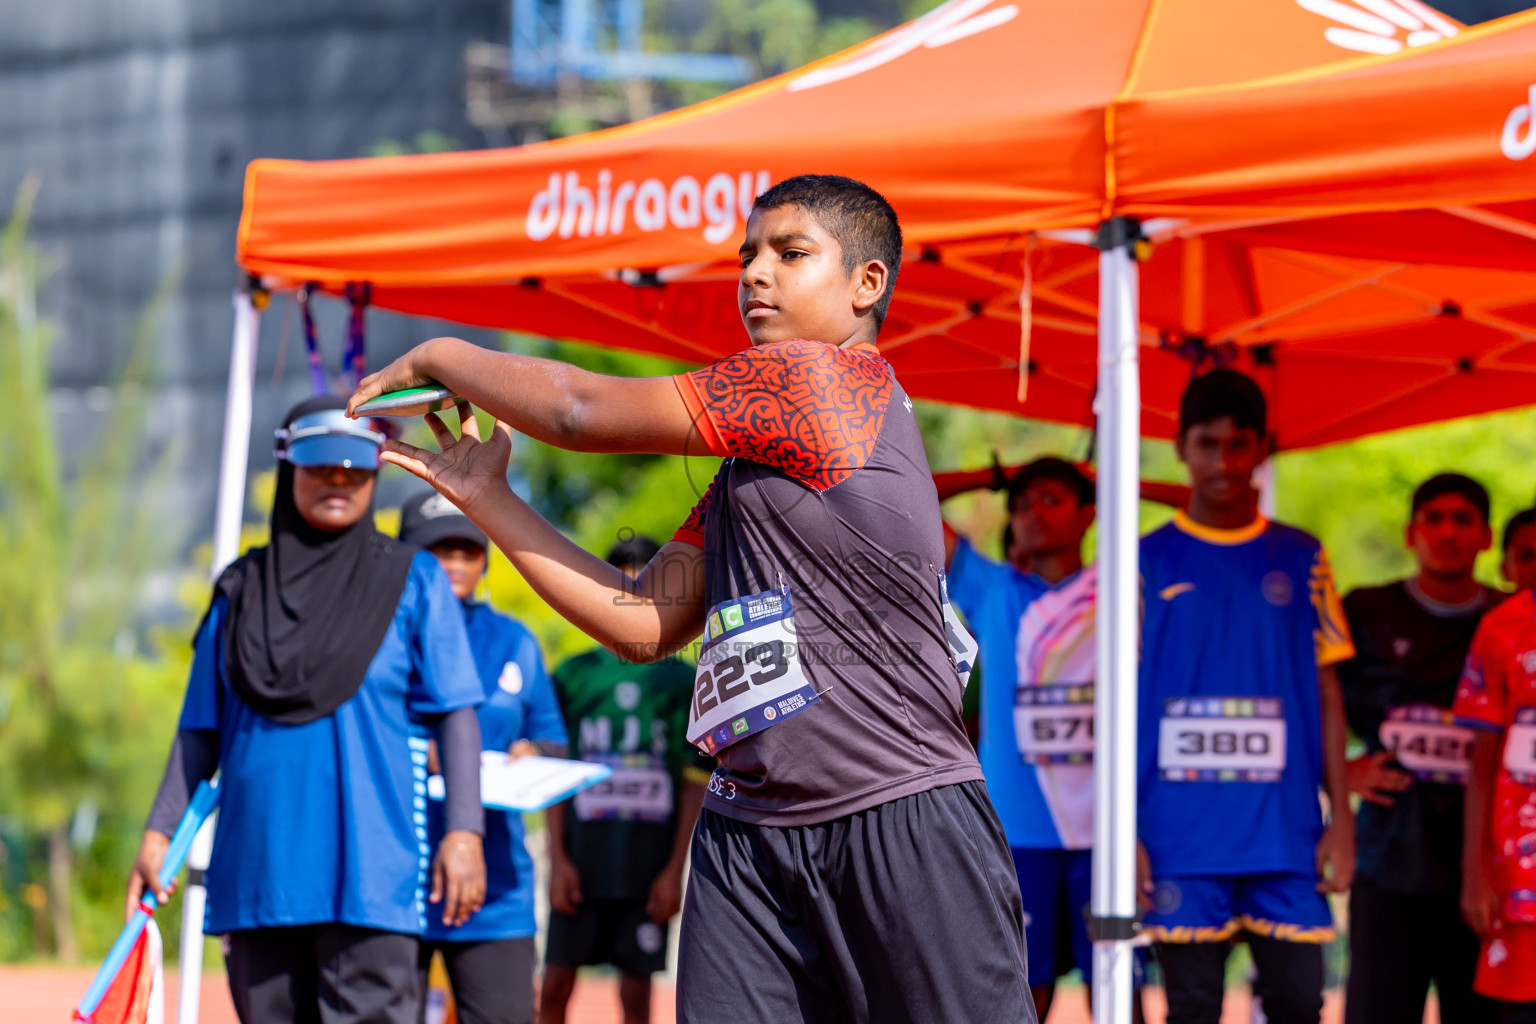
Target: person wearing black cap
x,y
1411,641
490,958
325,662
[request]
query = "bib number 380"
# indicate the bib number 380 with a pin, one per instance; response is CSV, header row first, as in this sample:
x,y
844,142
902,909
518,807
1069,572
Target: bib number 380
x,y
750,676
1222,739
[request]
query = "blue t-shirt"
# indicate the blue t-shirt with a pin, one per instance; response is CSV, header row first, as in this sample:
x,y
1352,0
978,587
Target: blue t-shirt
x,y
325,822
519,705
994,598
1236,624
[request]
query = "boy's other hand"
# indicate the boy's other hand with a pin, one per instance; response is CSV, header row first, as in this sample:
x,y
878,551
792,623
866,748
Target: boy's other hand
x,y
409,371
666,895
458,876
1481,904
1377,783
466,469
1336,855
146,872
564,886
523,748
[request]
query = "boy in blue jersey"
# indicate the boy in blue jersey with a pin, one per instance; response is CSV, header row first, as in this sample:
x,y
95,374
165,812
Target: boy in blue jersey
x,y
490,958
1035,632
1241,727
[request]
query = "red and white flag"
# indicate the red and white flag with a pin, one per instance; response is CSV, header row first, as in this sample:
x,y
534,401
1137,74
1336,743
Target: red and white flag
x,y
138,994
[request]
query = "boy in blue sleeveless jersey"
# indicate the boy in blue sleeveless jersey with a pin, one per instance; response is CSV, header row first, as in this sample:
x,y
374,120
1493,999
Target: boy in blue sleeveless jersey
x,y
1241,727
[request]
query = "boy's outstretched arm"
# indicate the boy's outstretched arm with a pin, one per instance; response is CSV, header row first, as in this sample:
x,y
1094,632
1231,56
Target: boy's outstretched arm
x,y
547,399
641,620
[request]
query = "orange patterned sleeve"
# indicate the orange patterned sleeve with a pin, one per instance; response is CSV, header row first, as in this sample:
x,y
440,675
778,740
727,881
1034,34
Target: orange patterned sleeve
x,y
809,410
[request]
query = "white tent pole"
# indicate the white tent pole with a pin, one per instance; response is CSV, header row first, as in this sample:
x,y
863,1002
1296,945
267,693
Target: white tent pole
x,y
226,546
1267,478
1114,910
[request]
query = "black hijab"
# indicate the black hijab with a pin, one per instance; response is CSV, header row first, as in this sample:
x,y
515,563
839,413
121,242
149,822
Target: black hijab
x,y
307,613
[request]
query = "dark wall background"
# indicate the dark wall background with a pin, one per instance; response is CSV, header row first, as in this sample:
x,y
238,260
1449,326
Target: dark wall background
x,y
138,118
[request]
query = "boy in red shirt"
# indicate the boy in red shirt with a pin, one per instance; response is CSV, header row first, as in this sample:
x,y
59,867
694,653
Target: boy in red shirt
x,y
1497,696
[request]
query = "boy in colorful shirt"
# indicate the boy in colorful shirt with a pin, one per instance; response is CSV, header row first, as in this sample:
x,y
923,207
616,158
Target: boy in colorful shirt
x,y
1035,631
1241,727
1497,698
617,850
848,863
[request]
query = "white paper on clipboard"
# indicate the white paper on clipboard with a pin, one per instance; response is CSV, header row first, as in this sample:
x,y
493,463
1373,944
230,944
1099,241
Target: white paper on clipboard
x,y
527,784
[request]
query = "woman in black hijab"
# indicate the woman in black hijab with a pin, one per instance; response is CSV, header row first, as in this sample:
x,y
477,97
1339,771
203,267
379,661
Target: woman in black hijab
x,y
326,662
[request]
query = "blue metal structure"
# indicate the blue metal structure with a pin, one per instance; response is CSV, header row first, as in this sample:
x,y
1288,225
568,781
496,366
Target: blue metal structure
x,y
601,39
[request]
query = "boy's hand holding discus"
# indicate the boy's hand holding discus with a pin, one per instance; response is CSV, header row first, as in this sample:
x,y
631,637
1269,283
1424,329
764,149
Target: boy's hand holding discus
x,y
467,470
573,409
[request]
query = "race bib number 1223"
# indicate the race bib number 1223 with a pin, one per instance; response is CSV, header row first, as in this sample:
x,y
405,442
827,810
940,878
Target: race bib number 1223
x,y
750,676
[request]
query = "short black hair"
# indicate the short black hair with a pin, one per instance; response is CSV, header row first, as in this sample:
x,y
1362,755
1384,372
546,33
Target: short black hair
x,y
1224,392
632,552
1442,484
1052,468
860,218
1517,522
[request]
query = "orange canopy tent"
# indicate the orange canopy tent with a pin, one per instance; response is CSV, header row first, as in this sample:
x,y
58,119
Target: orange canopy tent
x,y
1241,134
1337,191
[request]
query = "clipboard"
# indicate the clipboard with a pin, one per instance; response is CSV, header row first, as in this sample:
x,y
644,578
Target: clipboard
x,y
527,784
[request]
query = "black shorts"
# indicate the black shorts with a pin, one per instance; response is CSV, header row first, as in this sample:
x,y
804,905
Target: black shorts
x,y
617,932
1400,942
906,912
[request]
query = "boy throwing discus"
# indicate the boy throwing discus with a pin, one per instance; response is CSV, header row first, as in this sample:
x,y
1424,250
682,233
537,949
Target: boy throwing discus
x,y
848,864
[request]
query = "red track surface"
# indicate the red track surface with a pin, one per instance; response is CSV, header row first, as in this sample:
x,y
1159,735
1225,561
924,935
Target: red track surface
x,y
46,995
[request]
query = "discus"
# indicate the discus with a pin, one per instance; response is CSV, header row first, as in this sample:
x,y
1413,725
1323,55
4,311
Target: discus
x,y
433,397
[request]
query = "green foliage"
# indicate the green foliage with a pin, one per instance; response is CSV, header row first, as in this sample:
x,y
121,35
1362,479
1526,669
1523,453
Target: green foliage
x,y
424,142
776,35
83,718
1355,496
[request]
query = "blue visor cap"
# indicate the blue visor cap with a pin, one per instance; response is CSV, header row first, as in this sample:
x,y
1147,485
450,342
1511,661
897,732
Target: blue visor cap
x,y
328,438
